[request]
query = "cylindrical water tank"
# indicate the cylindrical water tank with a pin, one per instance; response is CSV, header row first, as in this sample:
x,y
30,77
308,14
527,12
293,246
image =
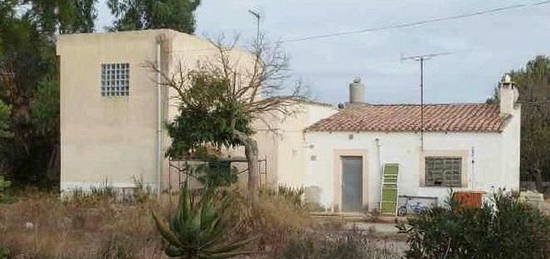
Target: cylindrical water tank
x,y
356,91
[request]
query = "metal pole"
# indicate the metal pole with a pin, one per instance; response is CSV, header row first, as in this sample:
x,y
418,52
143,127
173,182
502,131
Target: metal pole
x,y
257,16
257,29
422,103
421,59
158,157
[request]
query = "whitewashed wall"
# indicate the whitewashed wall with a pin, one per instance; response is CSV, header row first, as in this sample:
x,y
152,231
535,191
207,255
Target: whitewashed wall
x,y
495,160
284,145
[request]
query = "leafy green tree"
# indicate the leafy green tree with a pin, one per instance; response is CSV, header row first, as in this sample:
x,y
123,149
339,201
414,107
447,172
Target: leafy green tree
x,y
28,68
154,14
533,82
61,16
46,122
4,121
4,184
45,109
221,99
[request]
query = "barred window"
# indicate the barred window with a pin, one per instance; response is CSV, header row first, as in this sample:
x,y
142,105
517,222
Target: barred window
x,y
115,79
443,171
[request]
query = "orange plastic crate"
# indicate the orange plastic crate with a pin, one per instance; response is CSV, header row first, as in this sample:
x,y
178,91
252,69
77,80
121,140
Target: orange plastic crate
x,y
470,199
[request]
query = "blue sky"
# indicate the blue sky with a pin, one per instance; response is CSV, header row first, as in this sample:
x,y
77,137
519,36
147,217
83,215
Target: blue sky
x,y
484,46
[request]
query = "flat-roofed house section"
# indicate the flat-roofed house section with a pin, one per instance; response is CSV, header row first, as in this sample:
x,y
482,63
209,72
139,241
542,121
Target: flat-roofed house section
x,y
107,138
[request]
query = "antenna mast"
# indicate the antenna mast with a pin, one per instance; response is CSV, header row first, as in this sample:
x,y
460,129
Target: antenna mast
x,y
258,16
421,59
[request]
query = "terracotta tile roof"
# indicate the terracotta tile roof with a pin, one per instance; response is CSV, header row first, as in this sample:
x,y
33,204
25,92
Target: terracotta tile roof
x,y
406,118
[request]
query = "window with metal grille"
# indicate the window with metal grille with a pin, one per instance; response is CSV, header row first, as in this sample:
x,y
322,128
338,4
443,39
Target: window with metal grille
x,y
443,171
115,79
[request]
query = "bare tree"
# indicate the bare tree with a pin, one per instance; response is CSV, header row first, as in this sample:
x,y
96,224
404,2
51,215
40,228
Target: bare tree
x,y
221,97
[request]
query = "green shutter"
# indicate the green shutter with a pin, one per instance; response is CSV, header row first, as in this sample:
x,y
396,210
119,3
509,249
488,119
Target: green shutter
x,y
388,199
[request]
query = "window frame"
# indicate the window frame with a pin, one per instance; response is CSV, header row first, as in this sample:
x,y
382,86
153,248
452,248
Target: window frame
x,y
114,79
446,162
465,169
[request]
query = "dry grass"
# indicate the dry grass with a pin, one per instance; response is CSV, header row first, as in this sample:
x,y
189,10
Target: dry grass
x,y
41,225
354,244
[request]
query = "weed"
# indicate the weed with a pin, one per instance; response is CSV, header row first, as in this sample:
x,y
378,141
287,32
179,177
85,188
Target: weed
x,y
319,245
505,229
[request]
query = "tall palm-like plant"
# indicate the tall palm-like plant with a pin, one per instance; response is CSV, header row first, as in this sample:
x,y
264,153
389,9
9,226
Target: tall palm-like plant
x,y
198,228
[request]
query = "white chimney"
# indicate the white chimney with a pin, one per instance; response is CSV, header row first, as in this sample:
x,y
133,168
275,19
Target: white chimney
x,y
508,95
356,91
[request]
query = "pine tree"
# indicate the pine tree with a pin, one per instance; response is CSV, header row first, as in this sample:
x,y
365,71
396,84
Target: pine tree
x,y
154,14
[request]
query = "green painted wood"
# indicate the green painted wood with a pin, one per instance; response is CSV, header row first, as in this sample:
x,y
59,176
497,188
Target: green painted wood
x,y
390,191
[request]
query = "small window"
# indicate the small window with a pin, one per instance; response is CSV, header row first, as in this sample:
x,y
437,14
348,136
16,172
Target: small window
x,y
443,171
115,79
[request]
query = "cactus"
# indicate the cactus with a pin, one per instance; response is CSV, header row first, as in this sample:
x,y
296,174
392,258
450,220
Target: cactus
x,y
197,229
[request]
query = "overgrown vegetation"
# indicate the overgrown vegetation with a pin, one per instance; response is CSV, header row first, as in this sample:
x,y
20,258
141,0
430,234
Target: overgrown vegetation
x,y
28,82
198,227
40,225
29,87
294,196
100,225
3,253
220,99
506,228
352,245
4,184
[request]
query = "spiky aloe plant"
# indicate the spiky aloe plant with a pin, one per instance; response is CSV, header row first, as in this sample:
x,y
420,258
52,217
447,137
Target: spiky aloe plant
x,y
197,229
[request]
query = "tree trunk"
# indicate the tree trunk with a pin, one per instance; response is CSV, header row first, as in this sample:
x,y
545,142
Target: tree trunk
x,y
537,174
53,171
251,153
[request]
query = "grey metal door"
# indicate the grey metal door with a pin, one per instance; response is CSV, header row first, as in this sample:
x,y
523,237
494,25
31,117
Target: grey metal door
x,y
352,183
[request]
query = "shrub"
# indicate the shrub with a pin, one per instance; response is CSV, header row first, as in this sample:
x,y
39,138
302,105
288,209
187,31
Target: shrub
x,y
4,184
91,225
198,227
216,173
505,229
40,225
273,218
294,196
4,253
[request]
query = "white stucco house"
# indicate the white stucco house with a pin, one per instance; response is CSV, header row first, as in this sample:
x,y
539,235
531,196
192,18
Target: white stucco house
x,y
473,147
113,108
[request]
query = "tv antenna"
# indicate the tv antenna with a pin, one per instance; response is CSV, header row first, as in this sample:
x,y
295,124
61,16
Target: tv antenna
x,y
256,13
421,59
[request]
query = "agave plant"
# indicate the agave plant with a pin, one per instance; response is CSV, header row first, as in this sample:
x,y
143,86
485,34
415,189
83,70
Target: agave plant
x,y
197,229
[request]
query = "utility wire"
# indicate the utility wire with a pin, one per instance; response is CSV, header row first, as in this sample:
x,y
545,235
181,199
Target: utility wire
x,y
417,23
399,26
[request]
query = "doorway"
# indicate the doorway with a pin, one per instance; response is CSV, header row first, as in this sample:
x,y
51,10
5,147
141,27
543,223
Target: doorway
x,y
352,183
